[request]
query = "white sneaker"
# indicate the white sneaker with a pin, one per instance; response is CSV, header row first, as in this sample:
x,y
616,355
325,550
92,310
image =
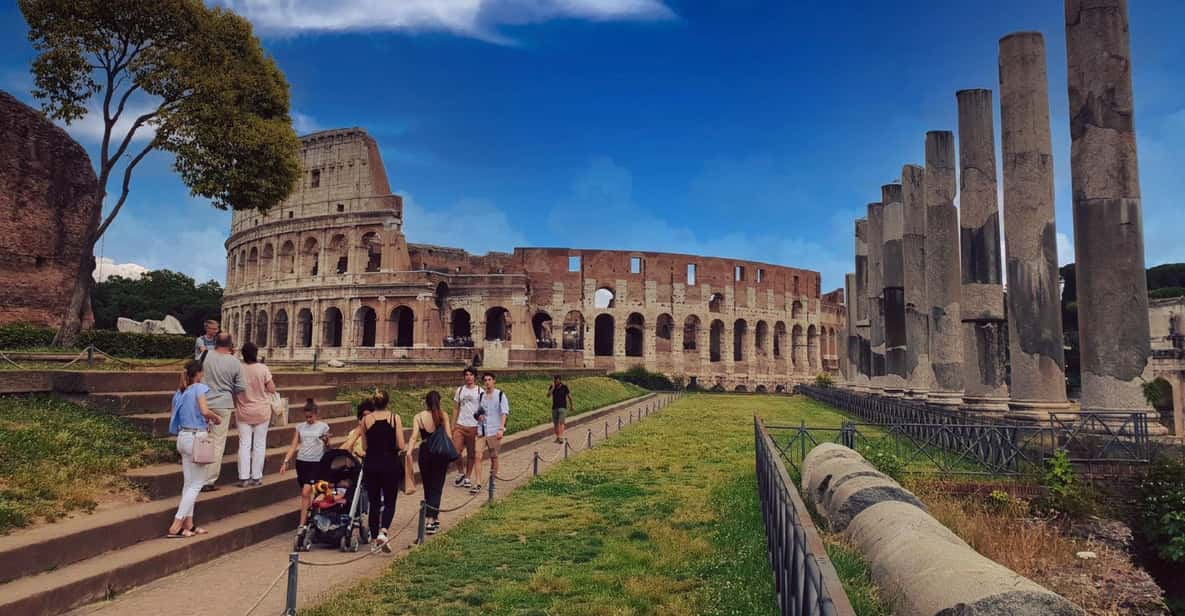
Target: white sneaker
x,y
382,539
460,480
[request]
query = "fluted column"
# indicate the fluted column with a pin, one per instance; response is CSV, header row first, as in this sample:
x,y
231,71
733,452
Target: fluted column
x,y
1108,230
864,351
984,354
893,289
943,289
917,308
876,330
1030,235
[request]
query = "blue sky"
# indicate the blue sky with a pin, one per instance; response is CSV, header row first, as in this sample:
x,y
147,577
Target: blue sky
x,y
739,128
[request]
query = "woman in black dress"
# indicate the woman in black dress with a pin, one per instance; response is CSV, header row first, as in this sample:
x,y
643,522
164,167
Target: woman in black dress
x,y
382,437
433,468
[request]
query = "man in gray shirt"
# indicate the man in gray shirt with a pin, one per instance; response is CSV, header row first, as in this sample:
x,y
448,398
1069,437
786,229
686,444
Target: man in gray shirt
x,y
223,374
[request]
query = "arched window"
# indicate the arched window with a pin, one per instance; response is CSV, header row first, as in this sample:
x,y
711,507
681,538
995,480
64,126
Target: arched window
x,y
796,310
234,326
266,260
798,348
304,321
280,329
372,245
241,275
663,330
541,326
253,264
691,333
715,302
339,254
761,337
812,347
740,331
497,323
261,329
462,329
635,328
365,326
403,321
440,296
331,334
715,340
603,298
779,339
574,331
288,258
603,335
310,256
248,326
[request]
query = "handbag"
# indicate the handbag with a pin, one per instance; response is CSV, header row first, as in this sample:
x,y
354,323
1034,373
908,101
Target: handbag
x,y
203,449
441,446
409,478
279,407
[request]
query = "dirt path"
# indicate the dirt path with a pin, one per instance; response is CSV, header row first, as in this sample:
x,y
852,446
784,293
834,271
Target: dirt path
x,y
231,584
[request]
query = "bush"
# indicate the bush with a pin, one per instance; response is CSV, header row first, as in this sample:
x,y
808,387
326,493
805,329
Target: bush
x,y
25,336
138,346
1162,508
640,376
885,461
823,380
1064,495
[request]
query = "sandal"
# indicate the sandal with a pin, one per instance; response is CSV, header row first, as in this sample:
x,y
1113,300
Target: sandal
x,y
199,531
185,533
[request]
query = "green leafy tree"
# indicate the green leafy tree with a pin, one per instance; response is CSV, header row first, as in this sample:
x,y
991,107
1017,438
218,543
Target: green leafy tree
x,y
154,295
217,103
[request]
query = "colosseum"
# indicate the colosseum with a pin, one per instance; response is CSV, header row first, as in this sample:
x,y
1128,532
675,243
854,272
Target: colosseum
x,y
329,275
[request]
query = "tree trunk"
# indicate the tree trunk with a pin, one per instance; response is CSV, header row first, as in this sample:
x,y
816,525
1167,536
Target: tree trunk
x,y
71,327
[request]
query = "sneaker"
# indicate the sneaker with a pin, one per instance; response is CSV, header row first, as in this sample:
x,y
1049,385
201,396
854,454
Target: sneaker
x,y
246,483
209,488
300,530
382,541
432,528
256,482
460,480
475,488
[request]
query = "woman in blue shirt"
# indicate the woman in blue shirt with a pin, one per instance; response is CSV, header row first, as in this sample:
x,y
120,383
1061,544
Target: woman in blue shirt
x,y
190,421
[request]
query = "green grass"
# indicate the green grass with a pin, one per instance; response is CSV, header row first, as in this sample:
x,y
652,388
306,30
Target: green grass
x,y
661,519
529,403
57,457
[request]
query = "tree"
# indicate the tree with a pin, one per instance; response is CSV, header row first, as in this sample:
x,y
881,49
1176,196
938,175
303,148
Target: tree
x,y
154,295
219,104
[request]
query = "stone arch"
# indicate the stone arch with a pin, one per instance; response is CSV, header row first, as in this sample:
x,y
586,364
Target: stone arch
x,y
261,329
498,324
403,322
331,333
812,346
541,326
603,335
761,338
779,342
635,334
740,389
288,258
253,264
573,331
241,267
781,389
440,296
248,327
304,323
280,328
715,302
267,259
664,329
371,246
365,327
691,327
232,267
234,326
798,348
339,254
715,340
796,310
760,389
310,256
460,325
740,331
604,298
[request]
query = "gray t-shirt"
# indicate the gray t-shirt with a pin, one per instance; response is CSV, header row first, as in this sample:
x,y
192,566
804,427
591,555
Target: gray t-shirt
x,y
495,405
311,446
467,398
223,374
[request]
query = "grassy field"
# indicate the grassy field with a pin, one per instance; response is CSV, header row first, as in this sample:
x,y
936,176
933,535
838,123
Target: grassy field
x,y
661,519
57,457
529,403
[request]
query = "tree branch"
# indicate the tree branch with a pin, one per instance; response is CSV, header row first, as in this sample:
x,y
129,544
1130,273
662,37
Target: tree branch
x,y
123,195
127,139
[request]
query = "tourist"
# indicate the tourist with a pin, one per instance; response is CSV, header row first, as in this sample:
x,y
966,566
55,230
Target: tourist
x,y
353,442
309,441
190,422
205,342
433,467
465,430
561,405
253,414
224,376
493,410
382,437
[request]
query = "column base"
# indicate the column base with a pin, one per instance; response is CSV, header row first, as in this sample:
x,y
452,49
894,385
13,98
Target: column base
x,y
985,404
1155,428
920,395
1034,411
948,399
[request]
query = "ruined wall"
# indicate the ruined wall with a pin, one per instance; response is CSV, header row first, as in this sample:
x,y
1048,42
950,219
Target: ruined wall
x,y
49,209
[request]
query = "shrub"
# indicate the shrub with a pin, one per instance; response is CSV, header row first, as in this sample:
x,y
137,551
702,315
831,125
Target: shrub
x,y
138,346
1159,393
1162,508
640,376
823,380
25,336
885,461
1064,495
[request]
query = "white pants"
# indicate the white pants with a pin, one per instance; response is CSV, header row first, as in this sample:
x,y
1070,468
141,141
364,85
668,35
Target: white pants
x,y
252,447
194,473
219,433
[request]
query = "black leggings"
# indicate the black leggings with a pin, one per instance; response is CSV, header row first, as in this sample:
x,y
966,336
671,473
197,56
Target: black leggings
x,y
381,487
432,474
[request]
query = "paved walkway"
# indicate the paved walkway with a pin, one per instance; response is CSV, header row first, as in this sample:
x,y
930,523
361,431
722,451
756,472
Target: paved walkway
x,y
231,584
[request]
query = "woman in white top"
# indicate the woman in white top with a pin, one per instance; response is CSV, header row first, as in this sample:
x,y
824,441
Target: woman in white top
x,y
309,441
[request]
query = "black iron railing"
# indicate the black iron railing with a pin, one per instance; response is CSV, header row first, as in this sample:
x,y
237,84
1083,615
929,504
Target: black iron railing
x,y
804,578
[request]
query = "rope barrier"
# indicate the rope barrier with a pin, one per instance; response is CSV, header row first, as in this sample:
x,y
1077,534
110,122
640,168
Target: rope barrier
x,y
452,509
520,474
267,592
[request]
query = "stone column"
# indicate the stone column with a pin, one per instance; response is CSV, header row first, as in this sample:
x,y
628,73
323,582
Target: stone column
x,y
1108,231
1034,310
893,289
864,356
943,289
984,370
851,346
917,308
876,330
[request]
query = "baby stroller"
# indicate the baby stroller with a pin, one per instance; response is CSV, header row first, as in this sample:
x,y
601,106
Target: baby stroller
x,y
335,517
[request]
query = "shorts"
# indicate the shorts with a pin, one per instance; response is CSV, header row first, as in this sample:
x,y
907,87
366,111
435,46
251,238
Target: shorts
x,y
465,438
489,446
307,473
559,415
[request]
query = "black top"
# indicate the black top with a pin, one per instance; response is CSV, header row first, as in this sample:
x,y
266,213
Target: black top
x,y
382,452
559,396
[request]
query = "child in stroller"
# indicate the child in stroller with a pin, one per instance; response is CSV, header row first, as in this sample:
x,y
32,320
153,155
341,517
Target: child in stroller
x,y
335,515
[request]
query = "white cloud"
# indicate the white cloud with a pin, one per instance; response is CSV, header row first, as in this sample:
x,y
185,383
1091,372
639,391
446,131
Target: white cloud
x,y
304,124
106,268
473,18
1065,249
474,225
89,128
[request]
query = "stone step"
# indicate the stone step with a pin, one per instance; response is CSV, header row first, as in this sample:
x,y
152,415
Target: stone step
x,y
95,382
281,436
157,424
133,402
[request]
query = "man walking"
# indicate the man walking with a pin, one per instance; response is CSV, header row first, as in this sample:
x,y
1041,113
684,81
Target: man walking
x,y
465,404
561,405
493,409
205,343
224,376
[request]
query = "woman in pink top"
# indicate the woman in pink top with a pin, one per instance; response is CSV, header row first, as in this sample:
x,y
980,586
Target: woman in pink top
x,y
253,412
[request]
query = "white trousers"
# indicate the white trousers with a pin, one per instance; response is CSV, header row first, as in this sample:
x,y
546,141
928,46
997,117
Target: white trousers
x,y
219,433
194,473
252,447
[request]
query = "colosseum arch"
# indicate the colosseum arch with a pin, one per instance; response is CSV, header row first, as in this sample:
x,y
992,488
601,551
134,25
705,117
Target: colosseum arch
x,y
715,340
635,334
253,264
761,338
574,331
779,339
232,267
604,298
267,260
288,258
365,327
664,329
403,322
331,333
280,328
460,325
798,348
241,274
812,346
796,310
715,302
541,327
371,247
304,323
234,326
440,296
603,335
740,331
339,254
310,256
691,327
261,329
248,327
498,324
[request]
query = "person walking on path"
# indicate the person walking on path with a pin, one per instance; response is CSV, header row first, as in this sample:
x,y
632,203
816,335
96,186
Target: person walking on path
x,y
224,377
309,441
253,414
561,406
205,342
492,412
190,421
465,430
433,468
382,438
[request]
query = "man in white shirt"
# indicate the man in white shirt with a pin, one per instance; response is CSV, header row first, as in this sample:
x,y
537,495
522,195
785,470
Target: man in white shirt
x,y
465,404
493,410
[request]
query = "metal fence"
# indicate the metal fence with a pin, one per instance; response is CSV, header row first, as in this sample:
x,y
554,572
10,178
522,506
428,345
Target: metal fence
x,y
804,578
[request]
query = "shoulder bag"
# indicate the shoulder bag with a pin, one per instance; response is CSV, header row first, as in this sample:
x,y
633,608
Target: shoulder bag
x,y
440,445
279,405
203,449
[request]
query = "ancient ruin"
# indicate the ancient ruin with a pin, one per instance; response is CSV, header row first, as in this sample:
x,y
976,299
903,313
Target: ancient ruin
x,y
328,273
943,292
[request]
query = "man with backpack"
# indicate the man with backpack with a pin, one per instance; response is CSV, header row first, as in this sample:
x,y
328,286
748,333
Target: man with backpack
x,y
465,405
492,413
561,405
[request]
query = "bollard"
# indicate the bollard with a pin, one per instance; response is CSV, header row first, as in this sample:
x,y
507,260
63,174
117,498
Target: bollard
x,y
619,423
606,429
491,497
90,356
315,353
565,450
290,601
535,465
589,442
423,521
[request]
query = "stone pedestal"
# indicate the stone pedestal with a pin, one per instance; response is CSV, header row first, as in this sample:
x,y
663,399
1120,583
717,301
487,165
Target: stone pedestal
x,y
943,286
876,309
1034,310
917,310
984,353
893,289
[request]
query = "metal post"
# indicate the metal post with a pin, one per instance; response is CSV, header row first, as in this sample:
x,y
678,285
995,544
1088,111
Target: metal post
x,y
565,450
606,429
290,601
491,497
619,423
589,442
90,356
423,521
